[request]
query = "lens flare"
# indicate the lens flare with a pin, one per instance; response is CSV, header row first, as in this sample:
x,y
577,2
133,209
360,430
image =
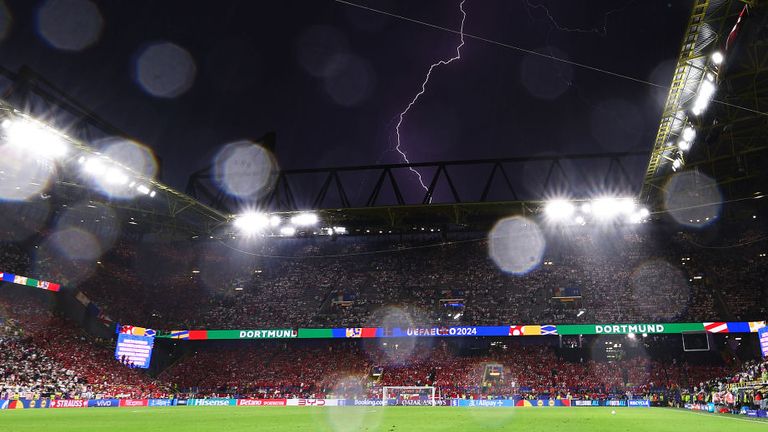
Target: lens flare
x,y
22,174
165,70
245,169
516,245
69,25
692,199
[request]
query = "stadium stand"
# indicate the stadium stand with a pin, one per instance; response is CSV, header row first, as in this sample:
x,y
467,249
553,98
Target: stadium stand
x,y
635,275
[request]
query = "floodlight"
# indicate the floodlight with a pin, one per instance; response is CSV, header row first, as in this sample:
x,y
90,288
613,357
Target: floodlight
x,y
684,145
305,219
717,57
115,176
559,210
35,138
287,231
689,134
676,164
251,222
274,221
706,91
143,189
94,167
606,207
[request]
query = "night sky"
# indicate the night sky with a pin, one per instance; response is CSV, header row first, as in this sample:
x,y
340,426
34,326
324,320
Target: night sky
x,y
330,79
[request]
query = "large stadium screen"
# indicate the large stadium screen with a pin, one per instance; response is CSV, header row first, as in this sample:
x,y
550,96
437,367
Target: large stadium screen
x,y
134,346
762,335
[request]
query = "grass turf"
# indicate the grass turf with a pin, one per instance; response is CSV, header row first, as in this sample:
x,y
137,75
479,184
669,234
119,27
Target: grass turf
x,y
389,419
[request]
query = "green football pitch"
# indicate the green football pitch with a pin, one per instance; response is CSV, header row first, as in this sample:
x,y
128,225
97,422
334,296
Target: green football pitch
x,y
389,419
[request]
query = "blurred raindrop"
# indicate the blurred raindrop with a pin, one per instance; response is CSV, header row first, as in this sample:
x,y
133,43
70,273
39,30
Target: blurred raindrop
x,y
76,244
116,181
22,174
245,169
692,199
350,80
97,220
516,245
318,46
70,25
352,418
20,220
165,70
544,78
658,291
617,125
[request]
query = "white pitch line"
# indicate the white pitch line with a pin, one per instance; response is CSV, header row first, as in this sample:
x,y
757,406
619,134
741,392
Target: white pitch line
x,y
725,417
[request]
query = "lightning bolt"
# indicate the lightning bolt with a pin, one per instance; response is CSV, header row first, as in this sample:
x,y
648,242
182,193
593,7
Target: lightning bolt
x,y
602,31
398,147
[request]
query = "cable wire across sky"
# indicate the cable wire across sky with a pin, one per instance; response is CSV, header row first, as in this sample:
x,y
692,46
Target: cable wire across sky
x,y
463,34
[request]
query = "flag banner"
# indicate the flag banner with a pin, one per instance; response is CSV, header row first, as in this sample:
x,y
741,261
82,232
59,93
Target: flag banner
x,y
27,281
506,330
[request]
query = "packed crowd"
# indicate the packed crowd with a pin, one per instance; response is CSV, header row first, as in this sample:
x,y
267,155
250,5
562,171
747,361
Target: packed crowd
x,y
345,370
389,281
43,355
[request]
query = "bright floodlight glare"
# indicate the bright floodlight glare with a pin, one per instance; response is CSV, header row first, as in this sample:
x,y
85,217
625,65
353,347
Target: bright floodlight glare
x,y
287,231
559,210
705,94
340,230
689,134
252,222
35,138
609,207
94,167
305,219
717,57
274,221
143,189
676,164
684,145
644,213
116,176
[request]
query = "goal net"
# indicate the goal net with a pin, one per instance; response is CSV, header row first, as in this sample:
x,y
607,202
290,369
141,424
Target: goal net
x,y
408,395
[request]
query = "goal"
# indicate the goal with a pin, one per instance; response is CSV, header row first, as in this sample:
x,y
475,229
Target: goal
x,y
408,395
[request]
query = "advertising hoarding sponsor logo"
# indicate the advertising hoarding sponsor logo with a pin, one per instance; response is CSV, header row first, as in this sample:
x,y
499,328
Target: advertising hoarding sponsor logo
x,y
365,402
103,403
261,402
211,402
69,403
160,402
311,402
629,328
442,331
639,403
585,403
264,334
133,402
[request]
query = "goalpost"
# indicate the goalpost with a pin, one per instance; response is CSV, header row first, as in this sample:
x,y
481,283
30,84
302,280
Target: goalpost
x,y
408,395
